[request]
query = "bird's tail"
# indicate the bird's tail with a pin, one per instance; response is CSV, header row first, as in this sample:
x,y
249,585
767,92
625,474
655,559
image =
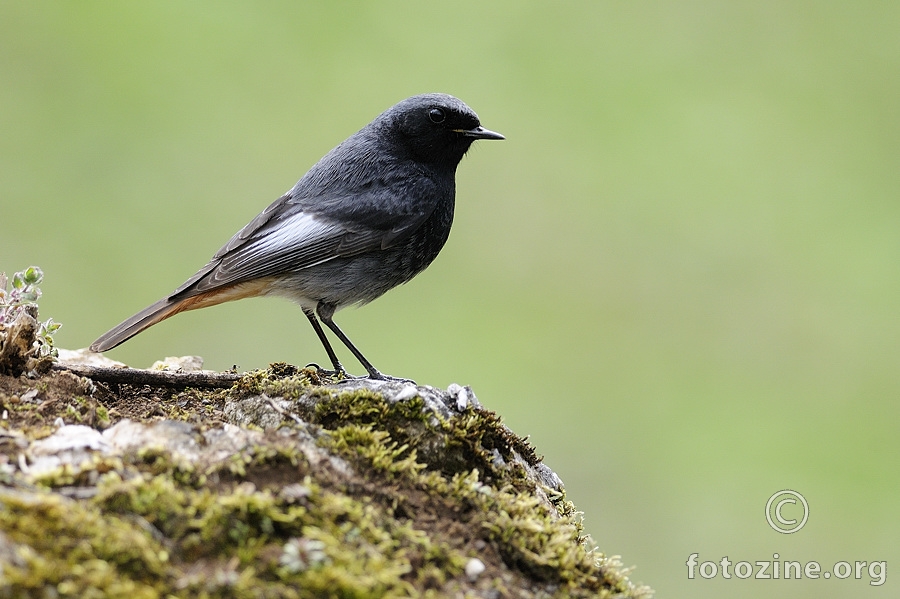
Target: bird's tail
x,y
147,317
175,303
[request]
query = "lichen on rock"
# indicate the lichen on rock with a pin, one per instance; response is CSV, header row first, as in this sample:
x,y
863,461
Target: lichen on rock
x,y
286,485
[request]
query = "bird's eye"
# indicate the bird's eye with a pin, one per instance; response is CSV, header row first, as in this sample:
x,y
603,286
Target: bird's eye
x,y
436,115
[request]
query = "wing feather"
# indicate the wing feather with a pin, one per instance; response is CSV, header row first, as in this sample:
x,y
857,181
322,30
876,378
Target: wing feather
x,y
323,217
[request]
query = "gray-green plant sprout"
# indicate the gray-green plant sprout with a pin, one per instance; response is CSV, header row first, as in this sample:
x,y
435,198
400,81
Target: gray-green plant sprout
x,y
18,297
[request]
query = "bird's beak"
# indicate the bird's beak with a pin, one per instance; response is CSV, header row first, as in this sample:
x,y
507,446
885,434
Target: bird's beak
x,y
479,133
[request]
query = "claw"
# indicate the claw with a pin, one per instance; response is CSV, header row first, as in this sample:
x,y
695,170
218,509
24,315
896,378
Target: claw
x,y
377,376
332,374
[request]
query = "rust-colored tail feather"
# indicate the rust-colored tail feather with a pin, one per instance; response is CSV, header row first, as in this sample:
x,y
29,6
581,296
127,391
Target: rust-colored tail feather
x,y
170,306
147,317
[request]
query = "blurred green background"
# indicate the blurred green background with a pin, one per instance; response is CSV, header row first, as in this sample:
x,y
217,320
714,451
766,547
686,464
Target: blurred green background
x,y
680,274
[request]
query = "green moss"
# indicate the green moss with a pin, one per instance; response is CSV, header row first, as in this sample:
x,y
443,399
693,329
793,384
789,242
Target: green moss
x,y
473,438
77,550
361,443
279,380
403,501
546,543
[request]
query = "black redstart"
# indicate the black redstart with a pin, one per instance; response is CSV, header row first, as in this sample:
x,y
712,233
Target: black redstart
x,y
370,215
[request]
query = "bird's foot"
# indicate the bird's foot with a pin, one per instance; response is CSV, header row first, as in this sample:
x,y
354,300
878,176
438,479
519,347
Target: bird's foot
x,y
339,375
381,378
377,376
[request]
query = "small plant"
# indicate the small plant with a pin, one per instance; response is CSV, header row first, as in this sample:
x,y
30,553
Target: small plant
x,y
301,554
22,296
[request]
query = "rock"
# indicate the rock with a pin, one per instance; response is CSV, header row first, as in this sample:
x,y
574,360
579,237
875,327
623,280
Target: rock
x,y
179,364
86,357
474,568
354,488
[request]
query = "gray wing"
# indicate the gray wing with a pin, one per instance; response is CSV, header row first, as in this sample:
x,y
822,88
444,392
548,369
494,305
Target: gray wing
x,y
285,238
350,202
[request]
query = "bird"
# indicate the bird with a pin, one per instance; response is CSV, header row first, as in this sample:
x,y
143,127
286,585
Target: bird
x,y
368,216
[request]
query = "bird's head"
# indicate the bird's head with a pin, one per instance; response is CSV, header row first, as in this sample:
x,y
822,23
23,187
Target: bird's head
x,y
435,128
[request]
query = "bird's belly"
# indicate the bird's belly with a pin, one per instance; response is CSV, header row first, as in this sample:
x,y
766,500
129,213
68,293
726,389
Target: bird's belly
x,y
359,279
355,279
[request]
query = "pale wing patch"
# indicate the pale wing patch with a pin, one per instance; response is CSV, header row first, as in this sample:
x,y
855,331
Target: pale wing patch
x,y
279,246
299,241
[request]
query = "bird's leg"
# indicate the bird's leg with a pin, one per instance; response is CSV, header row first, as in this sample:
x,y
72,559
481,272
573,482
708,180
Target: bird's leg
x,y
325,312
338,368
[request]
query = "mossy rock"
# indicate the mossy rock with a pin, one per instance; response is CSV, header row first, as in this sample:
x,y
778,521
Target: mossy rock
x,y
284,485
